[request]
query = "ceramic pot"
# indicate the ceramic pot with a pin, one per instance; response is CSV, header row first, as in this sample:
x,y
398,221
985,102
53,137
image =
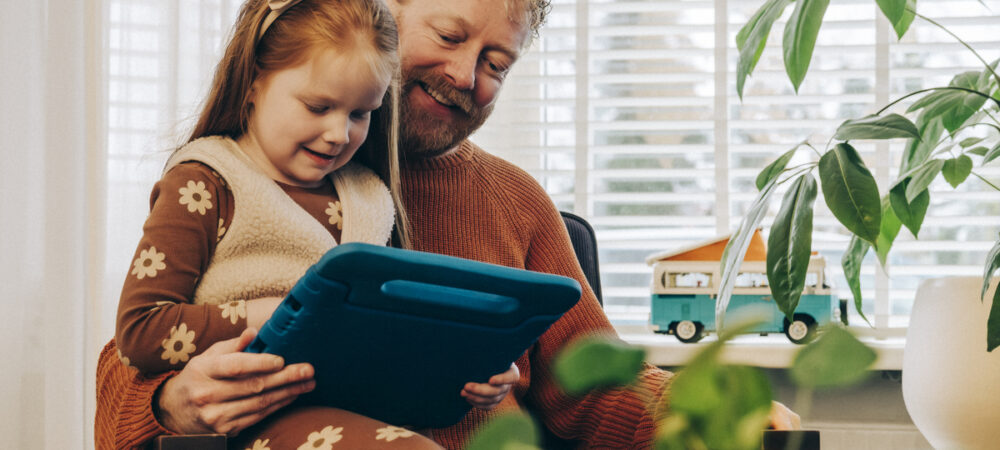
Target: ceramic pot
x,y
951,384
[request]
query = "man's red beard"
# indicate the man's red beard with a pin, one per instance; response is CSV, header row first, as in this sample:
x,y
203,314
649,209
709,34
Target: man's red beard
x,y
423,135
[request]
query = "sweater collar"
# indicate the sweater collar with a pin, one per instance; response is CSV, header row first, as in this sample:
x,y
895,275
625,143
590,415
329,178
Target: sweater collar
x,y
465,152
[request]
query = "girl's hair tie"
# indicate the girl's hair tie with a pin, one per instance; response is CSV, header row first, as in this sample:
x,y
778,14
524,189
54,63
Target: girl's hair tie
x,y
277,8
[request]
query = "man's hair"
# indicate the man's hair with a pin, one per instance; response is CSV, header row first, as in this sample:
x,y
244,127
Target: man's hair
x,y
534,15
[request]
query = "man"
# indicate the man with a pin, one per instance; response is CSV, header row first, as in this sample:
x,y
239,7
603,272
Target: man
x,y
462,202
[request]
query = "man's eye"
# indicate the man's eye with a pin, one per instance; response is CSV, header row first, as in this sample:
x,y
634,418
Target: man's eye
x,y
448,39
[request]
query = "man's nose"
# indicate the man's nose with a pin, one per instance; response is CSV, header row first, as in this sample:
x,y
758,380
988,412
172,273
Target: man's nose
x,y
461,70
336,129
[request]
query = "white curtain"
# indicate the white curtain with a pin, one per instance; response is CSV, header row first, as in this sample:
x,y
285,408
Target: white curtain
x,y
51,191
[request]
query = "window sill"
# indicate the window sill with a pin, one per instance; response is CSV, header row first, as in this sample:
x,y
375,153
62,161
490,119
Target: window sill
x,y
772,351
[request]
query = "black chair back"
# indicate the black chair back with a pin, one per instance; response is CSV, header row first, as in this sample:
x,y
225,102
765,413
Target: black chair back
x,y
581,234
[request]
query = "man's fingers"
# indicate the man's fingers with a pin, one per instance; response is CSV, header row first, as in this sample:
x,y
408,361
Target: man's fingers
x,y
239,364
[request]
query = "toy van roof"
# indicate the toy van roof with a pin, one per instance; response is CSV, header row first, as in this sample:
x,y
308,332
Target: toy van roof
x,y
711,250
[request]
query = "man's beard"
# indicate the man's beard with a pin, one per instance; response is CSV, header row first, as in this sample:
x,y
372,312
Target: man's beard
x,y
424,136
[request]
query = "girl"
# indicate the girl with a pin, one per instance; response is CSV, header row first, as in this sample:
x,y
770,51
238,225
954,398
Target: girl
x,y
264,187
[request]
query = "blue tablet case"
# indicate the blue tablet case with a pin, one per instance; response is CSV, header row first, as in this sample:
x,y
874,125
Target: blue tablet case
x,y
395,334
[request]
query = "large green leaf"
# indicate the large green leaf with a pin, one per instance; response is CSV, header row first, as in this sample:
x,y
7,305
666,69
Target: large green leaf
x,y
736,249
888,126
922,177
911,214
888,232
775,168
789,244
992,264
752,38
800,38
957,169
592,363
851,262
953,106
850,191
509,431
836,358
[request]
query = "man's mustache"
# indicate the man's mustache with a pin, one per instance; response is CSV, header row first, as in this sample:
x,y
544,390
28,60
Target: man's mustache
x,y
441,88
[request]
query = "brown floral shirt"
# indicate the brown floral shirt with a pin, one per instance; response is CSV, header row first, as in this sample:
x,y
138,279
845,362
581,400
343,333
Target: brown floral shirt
x,y
158,327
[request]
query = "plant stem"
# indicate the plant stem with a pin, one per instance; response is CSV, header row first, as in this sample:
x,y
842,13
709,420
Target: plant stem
x,y
952,88
986,181
988,67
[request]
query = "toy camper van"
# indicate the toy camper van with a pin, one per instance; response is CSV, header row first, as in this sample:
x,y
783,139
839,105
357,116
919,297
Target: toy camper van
x,y
685,285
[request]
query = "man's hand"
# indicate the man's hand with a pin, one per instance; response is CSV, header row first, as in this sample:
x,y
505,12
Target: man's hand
x,y
488,395
224,390
783,418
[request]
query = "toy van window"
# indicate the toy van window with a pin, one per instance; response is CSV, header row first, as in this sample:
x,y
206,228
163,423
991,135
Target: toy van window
x,y
692,279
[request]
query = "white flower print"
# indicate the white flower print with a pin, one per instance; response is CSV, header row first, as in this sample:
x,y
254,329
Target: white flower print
x,y
234,310
222,230
323,439
195,197
180,344
390,433
124,359
148,263
334,211
260,444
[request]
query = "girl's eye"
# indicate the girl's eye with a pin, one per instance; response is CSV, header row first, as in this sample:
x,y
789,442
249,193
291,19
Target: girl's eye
x,y
361,115
316,109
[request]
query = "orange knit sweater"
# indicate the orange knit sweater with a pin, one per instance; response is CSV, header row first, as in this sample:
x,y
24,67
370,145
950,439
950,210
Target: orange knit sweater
x,y
472,205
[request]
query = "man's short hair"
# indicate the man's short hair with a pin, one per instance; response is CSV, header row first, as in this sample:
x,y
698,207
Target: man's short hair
x,y
534,14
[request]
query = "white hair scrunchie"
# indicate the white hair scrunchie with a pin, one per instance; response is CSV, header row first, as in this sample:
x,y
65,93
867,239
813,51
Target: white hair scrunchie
x,y
277,8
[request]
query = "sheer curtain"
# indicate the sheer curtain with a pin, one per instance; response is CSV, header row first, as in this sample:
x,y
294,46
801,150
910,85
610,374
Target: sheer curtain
x,y
51,189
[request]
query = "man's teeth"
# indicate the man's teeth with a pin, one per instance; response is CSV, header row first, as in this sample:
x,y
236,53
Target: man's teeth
x,y
438,97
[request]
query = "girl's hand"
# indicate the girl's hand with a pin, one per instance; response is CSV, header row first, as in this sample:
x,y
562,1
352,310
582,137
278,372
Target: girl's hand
x,y
488,395
224,390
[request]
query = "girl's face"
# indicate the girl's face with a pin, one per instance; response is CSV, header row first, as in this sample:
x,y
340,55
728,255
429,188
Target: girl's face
x,y
309,120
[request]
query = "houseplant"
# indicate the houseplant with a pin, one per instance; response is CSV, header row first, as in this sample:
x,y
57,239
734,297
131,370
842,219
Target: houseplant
x,y
938,142
935,145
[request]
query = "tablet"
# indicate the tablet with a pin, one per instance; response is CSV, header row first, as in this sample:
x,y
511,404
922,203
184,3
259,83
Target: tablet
x,y
395,334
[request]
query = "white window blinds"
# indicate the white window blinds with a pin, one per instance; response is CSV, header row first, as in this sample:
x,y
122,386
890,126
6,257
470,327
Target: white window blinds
x,y
626,112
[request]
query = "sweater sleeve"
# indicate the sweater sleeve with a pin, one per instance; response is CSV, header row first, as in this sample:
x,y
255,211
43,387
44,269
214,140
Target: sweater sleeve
x,y
124,418
607,418
158,327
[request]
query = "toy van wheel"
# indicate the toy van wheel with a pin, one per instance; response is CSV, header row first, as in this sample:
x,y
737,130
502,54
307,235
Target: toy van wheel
x,y
688,331
802,330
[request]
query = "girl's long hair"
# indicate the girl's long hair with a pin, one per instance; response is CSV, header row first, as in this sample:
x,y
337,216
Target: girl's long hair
x,y
292,38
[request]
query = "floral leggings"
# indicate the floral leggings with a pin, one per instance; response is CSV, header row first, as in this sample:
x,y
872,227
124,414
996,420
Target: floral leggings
x,y
316,427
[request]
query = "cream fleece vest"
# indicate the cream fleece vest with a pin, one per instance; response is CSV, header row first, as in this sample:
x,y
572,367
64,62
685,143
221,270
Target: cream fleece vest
x,y
271,240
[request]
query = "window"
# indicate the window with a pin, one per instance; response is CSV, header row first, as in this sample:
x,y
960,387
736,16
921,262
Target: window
x,y
626,111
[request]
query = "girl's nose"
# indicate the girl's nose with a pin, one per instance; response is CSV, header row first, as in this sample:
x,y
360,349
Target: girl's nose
x,y
337,130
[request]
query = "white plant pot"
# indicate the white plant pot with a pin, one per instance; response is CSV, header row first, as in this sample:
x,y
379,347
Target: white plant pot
x,y
951,384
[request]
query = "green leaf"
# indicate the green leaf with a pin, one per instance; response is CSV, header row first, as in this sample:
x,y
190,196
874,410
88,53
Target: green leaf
x,y
993,324
991,155
752,38
889,231
956,170
922,177
850,191
851,262
736,250
899,12
877,127
978,151
800,38
592,363
917,151
775,168
969,142
992,264
509,431
909,213
836,358
789,244
954,107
